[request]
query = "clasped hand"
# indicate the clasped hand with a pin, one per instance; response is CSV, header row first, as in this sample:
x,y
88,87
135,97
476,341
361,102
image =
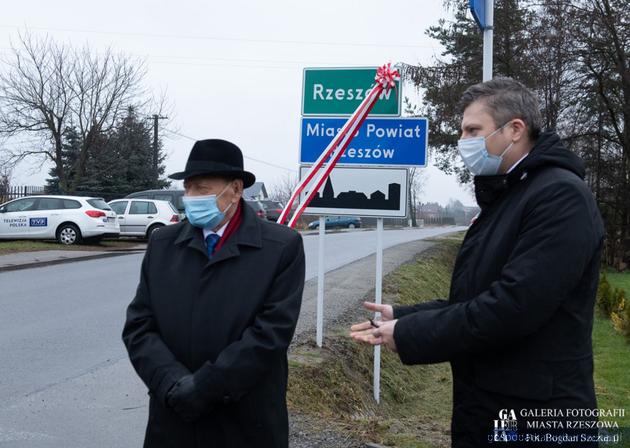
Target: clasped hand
x,y
185,399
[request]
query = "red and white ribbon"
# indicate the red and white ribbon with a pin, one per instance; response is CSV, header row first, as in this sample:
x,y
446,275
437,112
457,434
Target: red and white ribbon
x,y
385,79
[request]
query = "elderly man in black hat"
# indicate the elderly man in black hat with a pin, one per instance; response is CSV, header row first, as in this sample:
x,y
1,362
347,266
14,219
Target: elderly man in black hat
x,y
214,313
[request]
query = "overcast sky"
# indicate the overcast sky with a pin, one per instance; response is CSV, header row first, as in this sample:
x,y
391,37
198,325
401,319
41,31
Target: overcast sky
x,y
233,70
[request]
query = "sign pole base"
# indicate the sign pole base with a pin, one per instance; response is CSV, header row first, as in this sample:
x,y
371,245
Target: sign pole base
x,y
320,283
378,289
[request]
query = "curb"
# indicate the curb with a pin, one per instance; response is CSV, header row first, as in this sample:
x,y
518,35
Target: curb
x,y
39,264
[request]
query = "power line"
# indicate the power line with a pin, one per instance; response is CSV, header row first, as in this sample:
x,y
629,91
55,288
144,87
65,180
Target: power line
x,y
211,62
246,157
221,62
222,39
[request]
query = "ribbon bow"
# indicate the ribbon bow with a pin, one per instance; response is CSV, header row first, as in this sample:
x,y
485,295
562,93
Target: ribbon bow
x,y
386,76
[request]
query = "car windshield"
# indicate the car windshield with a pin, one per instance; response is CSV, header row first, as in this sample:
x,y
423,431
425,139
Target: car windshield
x,y
99,204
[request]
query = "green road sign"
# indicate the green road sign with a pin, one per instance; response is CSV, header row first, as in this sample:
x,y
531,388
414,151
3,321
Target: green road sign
x,y
339,91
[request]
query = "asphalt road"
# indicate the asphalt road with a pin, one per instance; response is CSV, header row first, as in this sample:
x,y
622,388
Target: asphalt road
x,y
64,375
348,246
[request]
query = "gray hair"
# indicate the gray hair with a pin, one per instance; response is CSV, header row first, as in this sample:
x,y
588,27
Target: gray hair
x,y
506,99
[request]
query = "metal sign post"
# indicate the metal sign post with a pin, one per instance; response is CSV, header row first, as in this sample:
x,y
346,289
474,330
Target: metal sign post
x,y
364,191
483,13
487,40
379,187
378,299
320,282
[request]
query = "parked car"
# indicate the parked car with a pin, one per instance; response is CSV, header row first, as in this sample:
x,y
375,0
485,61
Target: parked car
x,y
173,196
332,222
68,219
273,209
258,208
141,217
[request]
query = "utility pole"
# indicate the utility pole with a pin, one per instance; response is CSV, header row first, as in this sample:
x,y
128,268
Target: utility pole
x,y
156,118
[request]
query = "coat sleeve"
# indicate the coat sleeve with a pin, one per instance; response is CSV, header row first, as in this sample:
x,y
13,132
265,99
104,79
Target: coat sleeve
x,y
151,358
401,311
559,236
241,364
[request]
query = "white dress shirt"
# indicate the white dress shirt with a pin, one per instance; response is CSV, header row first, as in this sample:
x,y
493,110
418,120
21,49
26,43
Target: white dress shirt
x,y
207,231
516,164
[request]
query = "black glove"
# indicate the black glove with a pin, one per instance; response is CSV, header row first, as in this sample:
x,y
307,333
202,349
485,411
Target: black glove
x,y
186,400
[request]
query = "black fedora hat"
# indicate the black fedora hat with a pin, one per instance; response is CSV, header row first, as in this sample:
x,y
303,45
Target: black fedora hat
x,y
218,158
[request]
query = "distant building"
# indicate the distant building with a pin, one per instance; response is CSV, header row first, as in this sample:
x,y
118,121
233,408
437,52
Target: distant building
x,y
429,210
256,191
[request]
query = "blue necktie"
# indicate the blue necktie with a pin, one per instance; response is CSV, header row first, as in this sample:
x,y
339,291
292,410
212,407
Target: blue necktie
x,y
211,243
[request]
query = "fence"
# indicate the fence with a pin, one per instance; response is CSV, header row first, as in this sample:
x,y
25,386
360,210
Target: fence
x,y
8,193
439,220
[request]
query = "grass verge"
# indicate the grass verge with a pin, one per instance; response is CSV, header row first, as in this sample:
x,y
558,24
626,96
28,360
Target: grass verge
x,y
15,246
334,384
620,280
612,358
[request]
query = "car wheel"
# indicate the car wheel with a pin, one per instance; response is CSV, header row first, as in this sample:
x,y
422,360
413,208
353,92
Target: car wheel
x,y
68,234
351,226
153,228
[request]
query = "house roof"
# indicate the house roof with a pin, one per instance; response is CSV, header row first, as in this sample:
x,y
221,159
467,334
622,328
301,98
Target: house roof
x,y
255,190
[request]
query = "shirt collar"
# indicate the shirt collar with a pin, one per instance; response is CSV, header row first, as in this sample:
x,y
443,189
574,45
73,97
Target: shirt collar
x,y
207,231
516,164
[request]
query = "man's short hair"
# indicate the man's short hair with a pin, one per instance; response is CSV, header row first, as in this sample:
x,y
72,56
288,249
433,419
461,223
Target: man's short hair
x,y
506,99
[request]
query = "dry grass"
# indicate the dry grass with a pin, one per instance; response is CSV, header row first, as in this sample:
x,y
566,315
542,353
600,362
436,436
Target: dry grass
x,y
334,384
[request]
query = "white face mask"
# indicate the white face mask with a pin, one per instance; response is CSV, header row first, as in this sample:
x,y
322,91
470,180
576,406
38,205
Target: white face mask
x,y
476,156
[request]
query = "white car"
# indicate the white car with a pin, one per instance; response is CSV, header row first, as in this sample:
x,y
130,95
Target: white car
x,y
141,217
68,219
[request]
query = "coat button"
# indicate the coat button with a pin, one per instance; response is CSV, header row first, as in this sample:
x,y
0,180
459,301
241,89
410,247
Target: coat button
x,y
226,399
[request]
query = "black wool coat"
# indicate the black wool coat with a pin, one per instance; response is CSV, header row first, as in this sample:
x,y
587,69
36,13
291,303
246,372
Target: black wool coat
x,y
229,321
518,321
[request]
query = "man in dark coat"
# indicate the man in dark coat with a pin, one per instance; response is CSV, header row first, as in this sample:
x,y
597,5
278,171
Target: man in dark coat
x,y
517,324
214,313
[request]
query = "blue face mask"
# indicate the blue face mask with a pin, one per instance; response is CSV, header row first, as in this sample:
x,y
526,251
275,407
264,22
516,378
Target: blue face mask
x,y
476,156
203,211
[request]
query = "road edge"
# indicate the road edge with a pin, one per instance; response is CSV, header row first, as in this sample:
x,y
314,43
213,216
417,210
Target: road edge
x,y
40,264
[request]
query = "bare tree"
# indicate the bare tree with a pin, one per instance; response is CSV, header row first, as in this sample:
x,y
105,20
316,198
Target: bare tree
x,y
5,183
47,88
5,177
602,51
281,191
416,185
575,54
